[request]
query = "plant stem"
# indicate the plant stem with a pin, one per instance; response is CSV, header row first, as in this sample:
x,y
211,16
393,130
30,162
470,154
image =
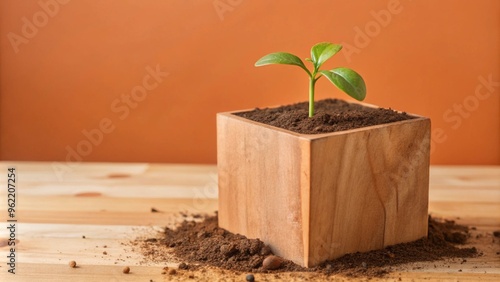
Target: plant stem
x,y
312,81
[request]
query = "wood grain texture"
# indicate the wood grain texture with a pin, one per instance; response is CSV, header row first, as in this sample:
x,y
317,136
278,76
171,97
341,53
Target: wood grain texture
x,y
331,194
52,222
369,189
259,191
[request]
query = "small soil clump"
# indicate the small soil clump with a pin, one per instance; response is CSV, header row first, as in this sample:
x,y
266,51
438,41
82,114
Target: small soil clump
x,y
272,262
204,243
331,115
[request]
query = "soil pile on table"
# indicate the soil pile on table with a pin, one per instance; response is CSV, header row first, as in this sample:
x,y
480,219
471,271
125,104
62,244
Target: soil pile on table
x,y
331,115
204,243
443,236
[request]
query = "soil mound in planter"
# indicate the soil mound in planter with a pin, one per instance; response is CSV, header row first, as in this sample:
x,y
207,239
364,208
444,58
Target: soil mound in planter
x,y
331,115
204,243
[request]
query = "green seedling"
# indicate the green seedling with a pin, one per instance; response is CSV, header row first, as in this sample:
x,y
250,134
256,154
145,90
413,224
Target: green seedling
x,y
345,79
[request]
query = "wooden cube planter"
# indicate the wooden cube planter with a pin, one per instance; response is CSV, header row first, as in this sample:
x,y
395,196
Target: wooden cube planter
x,y
318,197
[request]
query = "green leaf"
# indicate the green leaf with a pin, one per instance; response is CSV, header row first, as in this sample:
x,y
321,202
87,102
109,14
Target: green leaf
x,y
323,51
281,58
348,81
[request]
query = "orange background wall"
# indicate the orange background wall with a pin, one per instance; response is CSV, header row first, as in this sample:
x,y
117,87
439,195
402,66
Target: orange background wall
x,y
65,67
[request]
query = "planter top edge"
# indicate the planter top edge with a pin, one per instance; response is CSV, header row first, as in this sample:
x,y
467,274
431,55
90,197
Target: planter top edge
x,y
232,115
350,102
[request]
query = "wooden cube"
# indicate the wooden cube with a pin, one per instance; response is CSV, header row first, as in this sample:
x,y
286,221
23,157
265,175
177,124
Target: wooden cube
x,y
318,197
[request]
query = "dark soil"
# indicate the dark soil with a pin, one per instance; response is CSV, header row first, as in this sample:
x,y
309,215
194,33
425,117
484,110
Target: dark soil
x,y
331,115
204,243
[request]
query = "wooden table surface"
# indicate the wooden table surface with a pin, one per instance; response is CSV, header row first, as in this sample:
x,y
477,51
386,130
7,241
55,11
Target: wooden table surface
x,y
110,204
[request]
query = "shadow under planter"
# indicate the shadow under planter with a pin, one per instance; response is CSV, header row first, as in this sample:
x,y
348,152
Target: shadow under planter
x,y
318,197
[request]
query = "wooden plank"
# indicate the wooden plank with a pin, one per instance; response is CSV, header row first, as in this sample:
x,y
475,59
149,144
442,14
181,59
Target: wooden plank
x,y
116,204
92,273
61,243
52,223
108,273
47,248
111,174
97,209
61,272
105,218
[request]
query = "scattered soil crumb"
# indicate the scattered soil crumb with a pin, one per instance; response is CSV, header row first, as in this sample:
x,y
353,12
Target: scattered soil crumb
x,y
250,278
203,243
72,264
183,265
126,270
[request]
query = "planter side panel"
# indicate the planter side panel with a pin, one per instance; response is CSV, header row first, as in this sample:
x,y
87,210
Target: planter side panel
x,y
259,184
369,189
